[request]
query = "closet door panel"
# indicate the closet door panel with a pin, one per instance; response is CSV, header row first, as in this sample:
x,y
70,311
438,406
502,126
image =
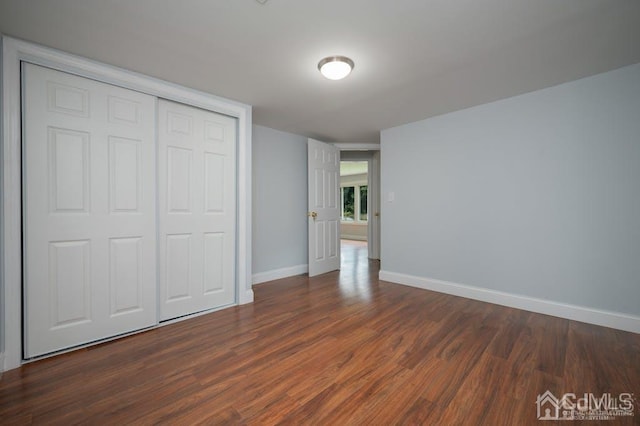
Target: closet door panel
x,y
197,186
89,210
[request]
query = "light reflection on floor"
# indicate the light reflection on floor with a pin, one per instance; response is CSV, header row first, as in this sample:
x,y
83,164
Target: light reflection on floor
x,y
356,270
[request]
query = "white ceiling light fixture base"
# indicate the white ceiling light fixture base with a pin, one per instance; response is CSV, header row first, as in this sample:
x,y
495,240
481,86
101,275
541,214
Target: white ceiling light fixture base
x,y
335,67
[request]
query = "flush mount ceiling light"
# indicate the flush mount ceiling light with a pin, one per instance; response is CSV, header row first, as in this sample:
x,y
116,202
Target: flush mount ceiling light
x,y
335,67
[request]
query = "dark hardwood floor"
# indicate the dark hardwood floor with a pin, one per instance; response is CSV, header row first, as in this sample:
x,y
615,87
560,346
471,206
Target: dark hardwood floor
x,y
343,348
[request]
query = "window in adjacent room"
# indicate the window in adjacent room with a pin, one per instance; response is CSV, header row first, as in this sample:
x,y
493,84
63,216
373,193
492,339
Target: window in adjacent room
x,y
353,191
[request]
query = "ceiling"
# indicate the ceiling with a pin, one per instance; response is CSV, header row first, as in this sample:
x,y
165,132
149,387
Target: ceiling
x,y
413,58
350,168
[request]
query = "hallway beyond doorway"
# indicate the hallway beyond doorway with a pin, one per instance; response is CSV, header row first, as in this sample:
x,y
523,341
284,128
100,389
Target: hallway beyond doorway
x,y
352,253
356,269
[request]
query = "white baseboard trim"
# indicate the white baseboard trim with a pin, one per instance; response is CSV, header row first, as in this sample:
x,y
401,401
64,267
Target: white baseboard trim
x,y
615,320
277,274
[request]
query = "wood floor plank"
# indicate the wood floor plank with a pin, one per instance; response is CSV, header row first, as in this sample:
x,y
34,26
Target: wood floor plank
x,y
422,412
343,348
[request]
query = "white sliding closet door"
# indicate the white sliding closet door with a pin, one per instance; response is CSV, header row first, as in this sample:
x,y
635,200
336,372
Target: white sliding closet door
x,y
197,181
89,210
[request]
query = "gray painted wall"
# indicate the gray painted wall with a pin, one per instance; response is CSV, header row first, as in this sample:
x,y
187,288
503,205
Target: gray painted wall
x,y
279,200
536,195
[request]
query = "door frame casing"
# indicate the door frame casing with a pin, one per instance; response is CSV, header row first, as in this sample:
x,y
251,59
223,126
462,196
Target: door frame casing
x,y
14,52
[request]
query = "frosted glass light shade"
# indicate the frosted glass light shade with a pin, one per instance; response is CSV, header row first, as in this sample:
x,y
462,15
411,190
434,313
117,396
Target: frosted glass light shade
x,y
335,67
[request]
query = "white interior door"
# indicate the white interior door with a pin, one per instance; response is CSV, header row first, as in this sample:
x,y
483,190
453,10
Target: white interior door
x,y
197,180
89,208
324,208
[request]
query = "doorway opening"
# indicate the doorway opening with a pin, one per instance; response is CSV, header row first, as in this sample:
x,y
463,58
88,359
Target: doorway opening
x,y
359,199
354,203
354,215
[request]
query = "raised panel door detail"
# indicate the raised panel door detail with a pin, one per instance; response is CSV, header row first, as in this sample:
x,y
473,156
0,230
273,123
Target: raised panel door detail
x,y
124,175
125,275
179,179
178,266
65,99
70,282
213,132
333,159
214,263
68,171
332,188
214,182
333,238
179,124
318,180
330,158
320,230
123,111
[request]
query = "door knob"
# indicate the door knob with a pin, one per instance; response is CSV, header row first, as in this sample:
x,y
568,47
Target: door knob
x,y
313,215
